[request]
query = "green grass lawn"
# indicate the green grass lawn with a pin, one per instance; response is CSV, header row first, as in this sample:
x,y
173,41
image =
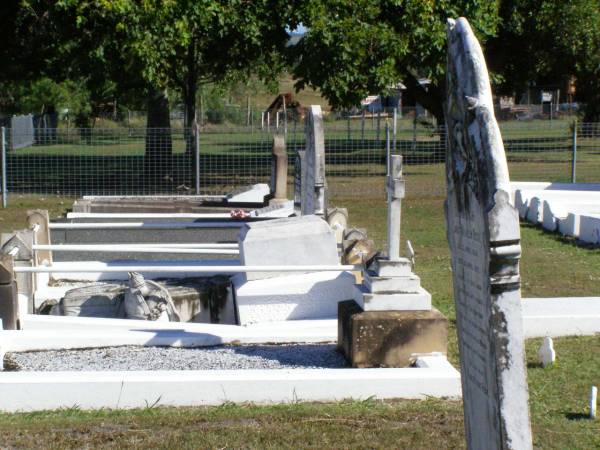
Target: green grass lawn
x,y
551,266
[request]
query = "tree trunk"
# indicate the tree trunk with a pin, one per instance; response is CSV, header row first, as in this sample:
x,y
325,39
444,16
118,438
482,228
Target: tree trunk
x,y
159,145
432,99
189,99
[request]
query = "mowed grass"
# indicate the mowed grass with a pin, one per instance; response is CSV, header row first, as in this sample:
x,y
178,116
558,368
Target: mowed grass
x,y
550,266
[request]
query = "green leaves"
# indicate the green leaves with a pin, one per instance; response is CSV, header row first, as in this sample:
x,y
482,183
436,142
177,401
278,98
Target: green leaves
x,y
355,48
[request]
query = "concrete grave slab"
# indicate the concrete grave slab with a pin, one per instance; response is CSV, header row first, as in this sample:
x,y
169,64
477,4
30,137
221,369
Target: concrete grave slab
x,y
306,240
292,297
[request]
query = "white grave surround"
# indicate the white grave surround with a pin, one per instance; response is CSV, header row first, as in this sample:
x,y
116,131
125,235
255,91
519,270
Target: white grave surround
x,y
536,200
547,185
589,228
483,235
432,376
557,211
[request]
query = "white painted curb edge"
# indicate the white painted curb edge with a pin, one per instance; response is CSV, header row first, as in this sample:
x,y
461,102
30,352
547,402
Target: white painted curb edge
x,y
36,391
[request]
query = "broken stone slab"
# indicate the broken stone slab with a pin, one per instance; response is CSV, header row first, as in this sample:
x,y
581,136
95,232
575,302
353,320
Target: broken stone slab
x,y
200,300
293,241
292,297
22,240
337,218
98,300
257,193
396,284
388,338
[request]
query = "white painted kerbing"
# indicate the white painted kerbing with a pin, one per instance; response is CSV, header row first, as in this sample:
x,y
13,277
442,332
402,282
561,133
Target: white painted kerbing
x,y
567,316
36,391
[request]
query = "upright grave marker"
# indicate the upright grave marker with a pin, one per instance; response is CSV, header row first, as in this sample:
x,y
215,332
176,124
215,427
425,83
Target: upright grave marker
x,y
299,178
483,234
313,185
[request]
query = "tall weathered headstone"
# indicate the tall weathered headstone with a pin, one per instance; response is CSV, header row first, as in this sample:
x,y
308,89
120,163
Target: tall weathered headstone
x,y
314,186
299,175
483,234
279,170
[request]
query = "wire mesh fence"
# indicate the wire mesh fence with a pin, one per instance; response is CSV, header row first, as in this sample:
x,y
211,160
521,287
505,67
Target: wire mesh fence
x,y
141,161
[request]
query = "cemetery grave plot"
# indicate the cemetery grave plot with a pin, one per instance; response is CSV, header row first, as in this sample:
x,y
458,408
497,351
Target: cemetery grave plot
x,y
241,357
289,275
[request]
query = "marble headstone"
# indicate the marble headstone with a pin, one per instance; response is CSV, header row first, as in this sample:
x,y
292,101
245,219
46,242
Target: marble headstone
x,y
484,238
313,183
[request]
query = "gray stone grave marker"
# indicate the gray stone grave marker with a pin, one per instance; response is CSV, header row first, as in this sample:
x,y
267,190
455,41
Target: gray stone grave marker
x,y
298,179
313,185
484,238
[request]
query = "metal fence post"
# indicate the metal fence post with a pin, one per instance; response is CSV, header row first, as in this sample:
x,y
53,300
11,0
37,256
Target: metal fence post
x,y
197,158
3,162
574,158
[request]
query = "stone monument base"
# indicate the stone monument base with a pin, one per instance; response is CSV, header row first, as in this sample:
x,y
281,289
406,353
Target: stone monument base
x,y
388,338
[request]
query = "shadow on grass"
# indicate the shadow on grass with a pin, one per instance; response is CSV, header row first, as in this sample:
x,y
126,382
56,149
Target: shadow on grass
x,y
576,416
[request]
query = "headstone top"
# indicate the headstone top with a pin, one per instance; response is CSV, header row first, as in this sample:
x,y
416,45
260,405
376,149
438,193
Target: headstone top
x,y
483,234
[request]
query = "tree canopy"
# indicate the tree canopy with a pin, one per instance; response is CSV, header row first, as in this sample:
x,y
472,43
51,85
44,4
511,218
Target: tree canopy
x,y
352,48
355,48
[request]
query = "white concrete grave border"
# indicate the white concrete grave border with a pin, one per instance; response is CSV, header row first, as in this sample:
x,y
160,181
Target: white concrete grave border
x,y
432,376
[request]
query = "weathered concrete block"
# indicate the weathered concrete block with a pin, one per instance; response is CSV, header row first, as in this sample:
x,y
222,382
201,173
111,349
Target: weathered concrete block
x,y
306,240
292,297
389,338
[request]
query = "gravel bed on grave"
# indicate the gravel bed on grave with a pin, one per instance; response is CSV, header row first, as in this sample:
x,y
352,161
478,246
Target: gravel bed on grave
x,y
309,356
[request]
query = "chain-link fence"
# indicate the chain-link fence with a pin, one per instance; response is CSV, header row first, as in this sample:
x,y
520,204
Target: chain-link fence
x,y
140,161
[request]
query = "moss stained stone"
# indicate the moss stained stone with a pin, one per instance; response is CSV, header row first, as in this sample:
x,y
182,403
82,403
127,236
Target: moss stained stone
x,y
388,338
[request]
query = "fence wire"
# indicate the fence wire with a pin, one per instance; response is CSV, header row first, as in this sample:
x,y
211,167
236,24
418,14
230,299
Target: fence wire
x,y
140,161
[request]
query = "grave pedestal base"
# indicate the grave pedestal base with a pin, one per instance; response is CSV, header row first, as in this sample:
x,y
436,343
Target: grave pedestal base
x,y
388,338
